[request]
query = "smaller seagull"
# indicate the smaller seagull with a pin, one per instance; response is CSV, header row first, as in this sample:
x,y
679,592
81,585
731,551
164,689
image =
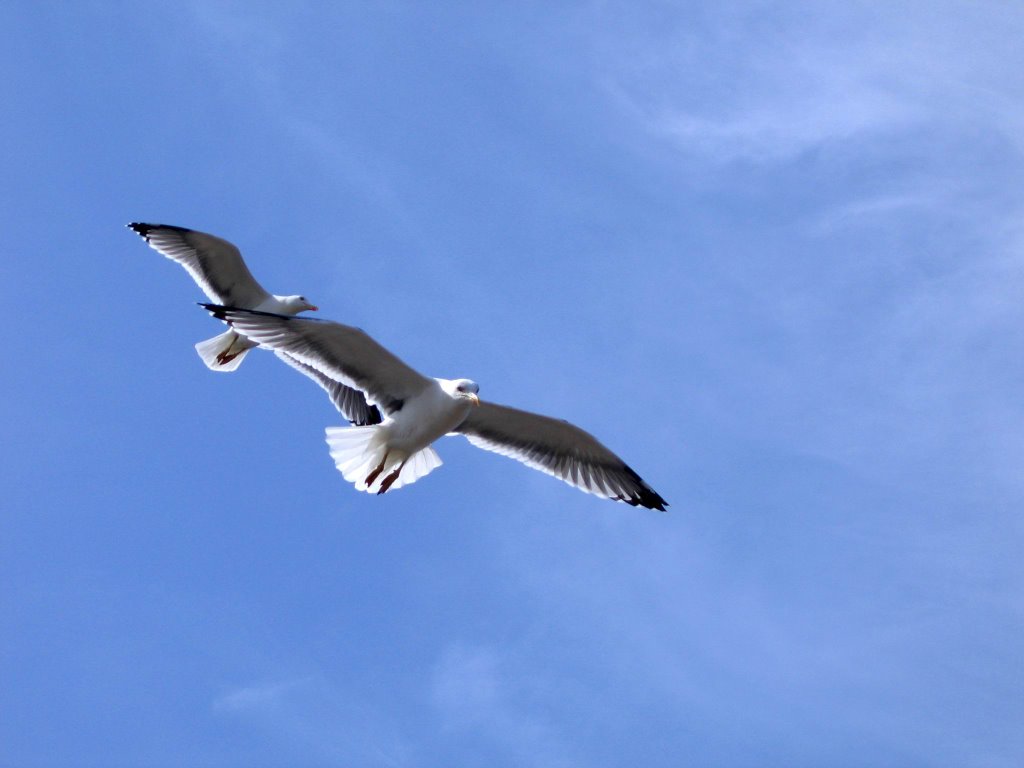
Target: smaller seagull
x,y
418,410
217,267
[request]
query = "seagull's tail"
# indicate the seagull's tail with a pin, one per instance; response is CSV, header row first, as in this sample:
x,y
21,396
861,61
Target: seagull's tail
x,y
361,455
224,352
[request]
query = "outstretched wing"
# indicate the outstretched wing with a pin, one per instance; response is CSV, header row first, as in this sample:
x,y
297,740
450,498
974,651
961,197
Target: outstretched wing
x,y
350,402
342,353
559,449
216,265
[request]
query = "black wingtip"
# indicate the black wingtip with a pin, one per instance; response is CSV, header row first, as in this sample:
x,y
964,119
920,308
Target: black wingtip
x,y
645,496
141,229
145,230
653,501
650,500
217,310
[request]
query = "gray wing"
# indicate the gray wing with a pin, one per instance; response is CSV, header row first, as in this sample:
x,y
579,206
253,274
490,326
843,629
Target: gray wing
x,y
559,449
216,265
351,403
342,353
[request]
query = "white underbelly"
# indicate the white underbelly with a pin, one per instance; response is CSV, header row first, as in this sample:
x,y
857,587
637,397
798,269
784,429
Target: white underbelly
x,y
423,419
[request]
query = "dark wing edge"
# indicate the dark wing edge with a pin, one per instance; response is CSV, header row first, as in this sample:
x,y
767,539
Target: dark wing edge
x,y
350,402
342,353
559,449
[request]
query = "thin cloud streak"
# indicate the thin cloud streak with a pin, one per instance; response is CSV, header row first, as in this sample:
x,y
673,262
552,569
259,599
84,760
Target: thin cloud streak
x,y
474,693
784,87
319,718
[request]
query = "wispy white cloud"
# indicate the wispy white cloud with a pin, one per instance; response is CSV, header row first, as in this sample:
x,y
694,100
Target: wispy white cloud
x,y
237,35
475,691
897,279
466,688
246,48
748,85
852,214
317,717
259,696
356,166
743,654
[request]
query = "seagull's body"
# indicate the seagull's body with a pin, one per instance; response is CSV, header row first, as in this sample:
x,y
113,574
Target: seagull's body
x,y
397,452
417,410
218,268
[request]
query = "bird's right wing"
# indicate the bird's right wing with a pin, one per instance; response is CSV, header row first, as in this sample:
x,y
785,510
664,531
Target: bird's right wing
x,y
216,265
560,449
340,352
351,403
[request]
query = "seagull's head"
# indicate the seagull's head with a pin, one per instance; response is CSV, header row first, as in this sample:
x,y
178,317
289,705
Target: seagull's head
x,y
464,389
295,304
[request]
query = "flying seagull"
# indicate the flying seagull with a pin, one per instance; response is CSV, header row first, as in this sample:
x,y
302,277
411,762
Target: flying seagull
x,y
418,410
217,267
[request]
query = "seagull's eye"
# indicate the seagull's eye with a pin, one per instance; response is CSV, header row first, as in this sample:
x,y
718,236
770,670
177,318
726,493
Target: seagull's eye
x,y
461,387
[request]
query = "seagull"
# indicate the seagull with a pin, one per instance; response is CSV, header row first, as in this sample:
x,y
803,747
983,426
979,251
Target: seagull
x,y
217,267
418,410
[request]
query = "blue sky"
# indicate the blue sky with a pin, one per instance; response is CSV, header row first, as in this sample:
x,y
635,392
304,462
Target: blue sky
x,y
769,253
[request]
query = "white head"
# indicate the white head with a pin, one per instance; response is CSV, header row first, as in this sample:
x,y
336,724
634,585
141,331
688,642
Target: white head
x,y
462,389
292,305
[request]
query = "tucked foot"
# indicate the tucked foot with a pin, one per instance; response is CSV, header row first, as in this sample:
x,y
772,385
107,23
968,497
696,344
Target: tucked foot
x,y
390,479
373,475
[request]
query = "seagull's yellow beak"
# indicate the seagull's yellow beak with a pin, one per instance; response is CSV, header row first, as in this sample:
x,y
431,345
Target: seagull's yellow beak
x,y
473,398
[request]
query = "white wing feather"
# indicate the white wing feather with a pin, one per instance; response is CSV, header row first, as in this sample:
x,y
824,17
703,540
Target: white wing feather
x,y
215,264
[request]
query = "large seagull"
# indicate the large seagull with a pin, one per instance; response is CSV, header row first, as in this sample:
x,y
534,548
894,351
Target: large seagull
x,y
415,410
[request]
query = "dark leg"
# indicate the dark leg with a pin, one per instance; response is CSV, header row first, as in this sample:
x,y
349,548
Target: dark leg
x,y
380,468
390,479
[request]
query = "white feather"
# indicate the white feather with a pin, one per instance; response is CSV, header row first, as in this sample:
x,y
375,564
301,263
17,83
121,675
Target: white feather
x,y
227,342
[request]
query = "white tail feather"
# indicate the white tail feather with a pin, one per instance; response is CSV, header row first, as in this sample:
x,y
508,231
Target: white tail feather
x,y
229,347
420,464
359,451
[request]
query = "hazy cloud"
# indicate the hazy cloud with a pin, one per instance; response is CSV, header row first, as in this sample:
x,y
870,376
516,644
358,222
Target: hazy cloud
x,y
738,83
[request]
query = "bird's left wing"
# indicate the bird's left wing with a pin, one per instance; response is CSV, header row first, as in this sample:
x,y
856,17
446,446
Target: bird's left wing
x,y
340,352
350,402
215,264
560,449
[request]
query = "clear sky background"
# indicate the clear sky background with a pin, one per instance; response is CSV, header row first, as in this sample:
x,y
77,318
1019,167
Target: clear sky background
x,y
770,253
